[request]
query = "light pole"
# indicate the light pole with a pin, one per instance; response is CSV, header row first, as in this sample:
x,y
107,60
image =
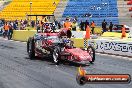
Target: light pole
x,y
30,10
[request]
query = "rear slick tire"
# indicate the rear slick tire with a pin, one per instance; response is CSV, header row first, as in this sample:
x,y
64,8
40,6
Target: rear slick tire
x,y
31,48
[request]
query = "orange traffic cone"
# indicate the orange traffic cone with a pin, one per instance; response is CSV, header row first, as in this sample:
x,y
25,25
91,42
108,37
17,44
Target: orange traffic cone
x,y
87,36
123,32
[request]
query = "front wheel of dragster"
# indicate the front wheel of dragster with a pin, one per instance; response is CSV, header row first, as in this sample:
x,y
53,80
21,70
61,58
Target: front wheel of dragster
x,y
31,48
91,52
56,55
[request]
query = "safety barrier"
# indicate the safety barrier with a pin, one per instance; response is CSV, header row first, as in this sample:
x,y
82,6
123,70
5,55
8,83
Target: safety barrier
x,y
122,47
113,34
78,42
23,35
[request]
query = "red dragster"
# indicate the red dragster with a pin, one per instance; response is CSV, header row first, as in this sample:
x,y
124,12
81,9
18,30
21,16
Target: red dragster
x,y
58,46
129,2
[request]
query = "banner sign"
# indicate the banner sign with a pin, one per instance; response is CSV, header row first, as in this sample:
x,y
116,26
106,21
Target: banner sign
x,y
112,47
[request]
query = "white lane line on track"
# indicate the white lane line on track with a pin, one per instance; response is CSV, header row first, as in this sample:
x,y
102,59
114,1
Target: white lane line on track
x,y
115,56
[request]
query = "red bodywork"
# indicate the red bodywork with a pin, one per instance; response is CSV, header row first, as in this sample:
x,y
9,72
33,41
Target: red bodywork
x,y
48,34
129,2
78,55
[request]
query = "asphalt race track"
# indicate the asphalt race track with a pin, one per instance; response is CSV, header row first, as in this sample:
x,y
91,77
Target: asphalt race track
x,y
18,71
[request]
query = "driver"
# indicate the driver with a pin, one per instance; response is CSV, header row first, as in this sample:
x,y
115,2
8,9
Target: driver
x,y
67,42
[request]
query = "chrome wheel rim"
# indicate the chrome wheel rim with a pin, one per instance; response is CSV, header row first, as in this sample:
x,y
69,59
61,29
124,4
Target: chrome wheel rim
x,y
55,57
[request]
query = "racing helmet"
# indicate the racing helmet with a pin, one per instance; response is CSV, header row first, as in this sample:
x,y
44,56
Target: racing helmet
x,y
68,43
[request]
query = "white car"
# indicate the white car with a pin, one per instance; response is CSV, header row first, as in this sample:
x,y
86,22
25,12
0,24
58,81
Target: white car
x,y
118,28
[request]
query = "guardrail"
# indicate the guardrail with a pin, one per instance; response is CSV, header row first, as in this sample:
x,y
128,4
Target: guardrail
x,y
23,35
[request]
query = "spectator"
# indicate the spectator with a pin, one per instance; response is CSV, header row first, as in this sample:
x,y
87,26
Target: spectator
x,y
111,26
41,25
59,25
10,31
56,23
54,3
25,23
86,24
53,27
3,21
75,18
14,26
11,23
74,26
32,23
104,23
6,28
16,22
123,32
21,24
67,24
82,26
38,26
92,26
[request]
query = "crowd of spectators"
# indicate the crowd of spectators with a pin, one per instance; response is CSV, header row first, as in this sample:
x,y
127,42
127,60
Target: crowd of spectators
x,y
73,25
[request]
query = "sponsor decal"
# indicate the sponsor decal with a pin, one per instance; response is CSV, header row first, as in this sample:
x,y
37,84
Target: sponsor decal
x,y
83,77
